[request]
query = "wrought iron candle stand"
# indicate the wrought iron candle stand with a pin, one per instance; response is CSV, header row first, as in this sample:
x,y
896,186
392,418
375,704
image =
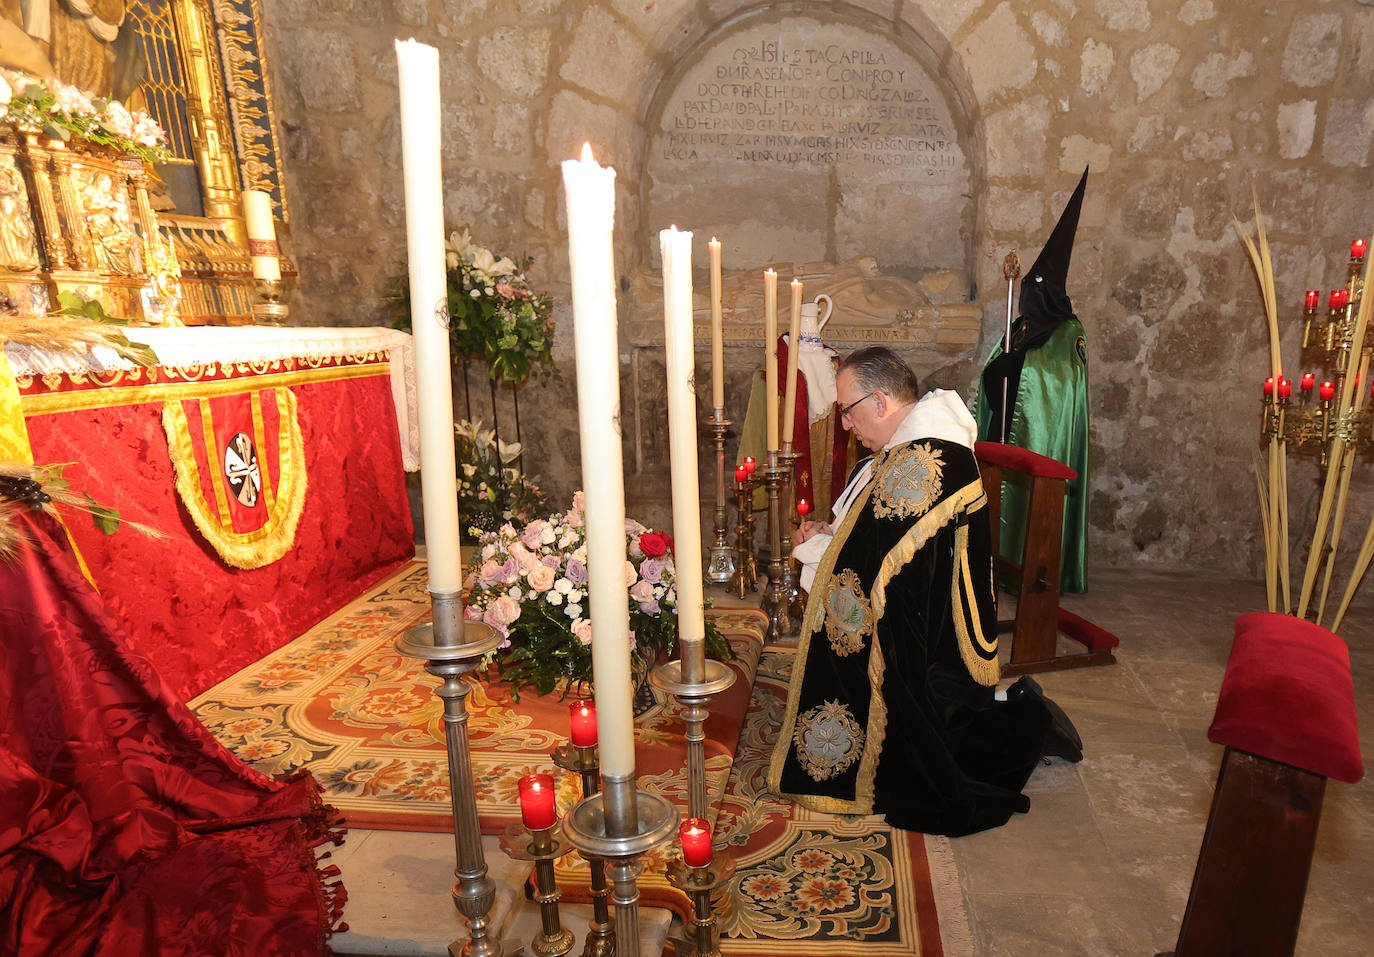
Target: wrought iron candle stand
x,y
720,570
620,825
698,883
791,585
746,576
449,659
584,760
539,845
775,604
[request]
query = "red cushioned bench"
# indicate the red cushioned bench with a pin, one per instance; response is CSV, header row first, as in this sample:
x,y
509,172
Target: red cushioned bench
x,y
1286,714
1039,619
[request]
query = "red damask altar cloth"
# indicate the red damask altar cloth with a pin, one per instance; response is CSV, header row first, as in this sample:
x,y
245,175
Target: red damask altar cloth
x,y
196,617
125,828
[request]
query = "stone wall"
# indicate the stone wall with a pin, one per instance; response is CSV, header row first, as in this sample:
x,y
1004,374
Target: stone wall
x,y
1182,108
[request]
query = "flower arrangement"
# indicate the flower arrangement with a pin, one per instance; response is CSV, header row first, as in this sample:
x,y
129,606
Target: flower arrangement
x,y
493,314
61,110
491,489
531,585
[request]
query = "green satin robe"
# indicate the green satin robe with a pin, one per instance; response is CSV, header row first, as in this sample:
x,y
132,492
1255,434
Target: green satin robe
x,y
1050,416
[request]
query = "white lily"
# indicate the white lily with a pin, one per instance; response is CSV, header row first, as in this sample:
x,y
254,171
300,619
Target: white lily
x,y
504,266
508,452
481,259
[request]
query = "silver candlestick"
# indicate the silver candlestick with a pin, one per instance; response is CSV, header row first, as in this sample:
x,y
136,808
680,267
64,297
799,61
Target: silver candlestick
x,y
721,567
449,659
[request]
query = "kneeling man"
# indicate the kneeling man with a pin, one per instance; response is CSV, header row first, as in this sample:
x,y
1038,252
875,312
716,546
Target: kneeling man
x,y
892,707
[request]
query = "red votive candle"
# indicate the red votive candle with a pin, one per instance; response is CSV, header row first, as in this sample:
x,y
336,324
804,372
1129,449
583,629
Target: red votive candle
x,y
1334,301
1327,392
741,473
749,464
1268,385
1309,380
1312,299
1357,249
1285,388
696,842
803,507
582,716
536,801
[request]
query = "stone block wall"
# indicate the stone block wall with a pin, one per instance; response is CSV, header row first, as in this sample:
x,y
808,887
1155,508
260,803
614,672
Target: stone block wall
x,y
1183,109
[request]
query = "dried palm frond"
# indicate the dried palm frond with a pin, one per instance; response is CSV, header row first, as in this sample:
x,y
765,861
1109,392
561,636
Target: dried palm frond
x,y
43,487
71,334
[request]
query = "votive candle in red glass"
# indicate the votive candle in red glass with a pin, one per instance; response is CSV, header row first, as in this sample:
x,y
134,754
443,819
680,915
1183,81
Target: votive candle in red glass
x,y
1309,381
1357,249
537,801
803,507
1312,299
741,473
749,464
1285,388
1334,300
1269,385
696,842
1327,392
582,717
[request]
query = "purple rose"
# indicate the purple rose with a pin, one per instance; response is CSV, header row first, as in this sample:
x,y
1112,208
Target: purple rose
x,y
577,572
551,561
508,572
651,570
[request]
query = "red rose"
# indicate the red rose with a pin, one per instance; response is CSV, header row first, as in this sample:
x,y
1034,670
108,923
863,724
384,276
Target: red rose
x,y
655,544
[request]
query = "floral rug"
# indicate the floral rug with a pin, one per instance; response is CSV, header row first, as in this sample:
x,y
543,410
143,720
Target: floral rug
x,y
341,700
364,718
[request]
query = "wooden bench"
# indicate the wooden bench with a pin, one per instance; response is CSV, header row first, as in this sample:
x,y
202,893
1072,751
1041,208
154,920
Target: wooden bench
x,y
1039,619
1286,714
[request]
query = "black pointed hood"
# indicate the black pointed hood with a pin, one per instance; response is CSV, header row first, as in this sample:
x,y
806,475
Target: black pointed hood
x,y
1044,302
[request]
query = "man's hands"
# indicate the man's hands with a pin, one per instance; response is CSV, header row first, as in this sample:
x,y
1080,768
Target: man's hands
x,y
808,529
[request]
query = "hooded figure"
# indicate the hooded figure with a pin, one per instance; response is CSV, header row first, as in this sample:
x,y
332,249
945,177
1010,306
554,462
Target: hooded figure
x,y
1045,371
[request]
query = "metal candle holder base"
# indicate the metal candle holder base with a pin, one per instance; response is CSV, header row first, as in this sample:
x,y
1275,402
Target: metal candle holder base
x,y
449,659
620,825
746,576
775,604
693,696
600,940
721,567
698,883
791,586
539,845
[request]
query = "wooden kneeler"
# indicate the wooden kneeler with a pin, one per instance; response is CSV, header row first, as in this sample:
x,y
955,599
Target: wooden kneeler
x,y
1286,714
1039,619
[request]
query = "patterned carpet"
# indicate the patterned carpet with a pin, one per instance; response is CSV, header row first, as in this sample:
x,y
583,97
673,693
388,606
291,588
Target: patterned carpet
x,y
341,700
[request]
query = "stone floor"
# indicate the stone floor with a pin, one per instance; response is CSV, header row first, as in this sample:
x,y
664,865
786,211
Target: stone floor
x,y
1100,866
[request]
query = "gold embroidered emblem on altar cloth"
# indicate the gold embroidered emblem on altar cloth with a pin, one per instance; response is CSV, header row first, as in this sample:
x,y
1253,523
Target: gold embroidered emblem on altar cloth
x,y
848,614
908,482
240,471
828,739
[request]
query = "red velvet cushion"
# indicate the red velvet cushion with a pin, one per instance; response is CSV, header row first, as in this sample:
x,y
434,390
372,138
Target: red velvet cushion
x,y
1022,460
1085,632
1288,696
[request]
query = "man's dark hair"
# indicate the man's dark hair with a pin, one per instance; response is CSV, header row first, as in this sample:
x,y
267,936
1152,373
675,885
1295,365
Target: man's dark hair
x,y
879,368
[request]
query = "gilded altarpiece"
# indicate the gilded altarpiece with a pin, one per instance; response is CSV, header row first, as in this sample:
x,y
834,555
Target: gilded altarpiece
x,y
153,245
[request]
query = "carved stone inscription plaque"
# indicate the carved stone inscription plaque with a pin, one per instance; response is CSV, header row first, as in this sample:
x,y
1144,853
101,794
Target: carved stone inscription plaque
x,y
798,139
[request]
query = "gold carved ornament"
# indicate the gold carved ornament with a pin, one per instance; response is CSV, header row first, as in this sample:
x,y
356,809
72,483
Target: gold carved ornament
x,y
848,614
828,739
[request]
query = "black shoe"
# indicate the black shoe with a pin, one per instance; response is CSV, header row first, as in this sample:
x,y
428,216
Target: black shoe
x,y
1062,740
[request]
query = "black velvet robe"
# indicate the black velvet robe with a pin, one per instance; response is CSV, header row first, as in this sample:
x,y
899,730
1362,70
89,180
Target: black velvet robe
x,y
891,706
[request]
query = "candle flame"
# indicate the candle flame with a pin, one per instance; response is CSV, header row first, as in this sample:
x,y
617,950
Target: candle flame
x,y
587,153
769,271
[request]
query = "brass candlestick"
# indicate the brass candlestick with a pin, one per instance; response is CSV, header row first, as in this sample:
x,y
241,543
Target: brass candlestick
x,y
698,883
721,568
619,825
746,576
449,659
539,845
791,586
775,603
583,759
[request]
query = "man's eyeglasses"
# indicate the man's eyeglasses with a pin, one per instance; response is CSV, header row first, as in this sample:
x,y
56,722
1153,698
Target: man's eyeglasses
x,y
845,410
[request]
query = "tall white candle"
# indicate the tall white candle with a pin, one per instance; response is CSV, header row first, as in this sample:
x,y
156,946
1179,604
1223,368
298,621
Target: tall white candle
x,y
676,248
789,402
717,329
590,195
420,123
770,353
262,235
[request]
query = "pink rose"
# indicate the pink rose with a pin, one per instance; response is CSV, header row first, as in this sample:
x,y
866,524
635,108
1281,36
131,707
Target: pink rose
x,y
472,613
541,578
642,591
582,628
506,609
630,574
533,532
